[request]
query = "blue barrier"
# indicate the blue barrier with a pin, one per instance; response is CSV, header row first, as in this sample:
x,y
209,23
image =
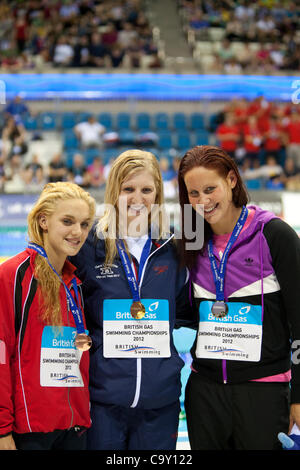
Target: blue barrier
x,y
164,87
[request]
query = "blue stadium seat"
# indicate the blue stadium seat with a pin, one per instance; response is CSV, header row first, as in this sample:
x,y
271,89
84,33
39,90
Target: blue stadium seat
x,y
161,121
214,122
106,120
70,140
90,153
48,121
68,120
197,121
123,121
201,138
143,122
109,153
30,122
69,154
183,140
179,121
254,184
165,140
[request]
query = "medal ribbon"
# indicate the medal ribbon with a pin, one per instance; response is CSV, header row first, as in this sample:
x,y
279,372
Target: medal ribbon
x,y
219,274
134,287
76,310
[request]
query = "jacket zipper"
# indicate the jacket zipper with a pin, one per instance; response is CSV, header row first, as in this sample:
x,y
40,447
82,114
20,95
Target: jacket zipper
x,y
224,371
139,360
69,390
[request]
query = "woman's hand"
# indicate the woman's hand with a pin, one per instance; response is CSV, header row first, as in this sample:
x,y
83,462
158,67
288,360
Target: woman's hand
x,y
294,415
7,443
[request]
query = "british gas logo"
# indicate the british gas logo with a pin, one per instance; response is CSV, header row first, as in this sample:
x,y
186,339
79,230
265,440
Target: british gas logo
x,y
245,310
154,306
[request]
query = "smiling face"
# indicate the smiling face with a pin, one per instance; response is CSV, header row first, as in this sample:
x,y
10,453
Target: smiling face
x,y
65,230
206,187
137,195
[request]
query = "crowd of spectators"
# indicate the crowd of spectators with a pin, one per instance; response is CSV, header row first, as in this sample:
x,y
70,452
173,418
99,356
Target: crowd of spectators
x,y
264,140
80,33
238,36
260,36
262,137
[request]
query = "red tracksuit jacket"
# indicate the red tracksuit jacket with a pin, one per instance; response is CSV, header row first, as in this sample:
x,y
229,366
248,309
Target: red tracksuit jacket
x,y
43,378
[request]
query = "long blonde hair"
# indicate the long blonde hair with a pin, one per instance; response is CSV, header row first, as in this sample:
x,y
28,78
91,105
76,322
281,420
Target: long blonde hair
x,y
127,164
48,281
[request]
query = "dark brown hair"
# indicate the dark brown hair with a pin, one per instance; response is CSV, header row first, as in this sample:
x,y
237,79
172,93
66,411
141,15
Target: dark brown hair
x,y
213,158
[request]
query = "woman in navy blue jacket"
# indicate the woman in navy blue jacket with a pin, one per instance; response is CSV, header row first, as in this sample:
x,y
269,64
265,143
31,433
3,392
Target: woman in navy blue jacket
x,y
132,288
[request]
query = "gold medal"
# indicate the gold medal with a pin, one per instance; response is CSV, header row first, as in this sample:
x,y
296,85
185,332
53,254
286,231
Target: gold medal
x,y
83,342
137,310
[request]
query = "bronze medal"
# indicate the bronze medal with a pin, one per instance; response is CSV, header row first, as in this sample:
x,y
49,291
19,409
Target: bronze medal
x,y
83,342
219,309
137,310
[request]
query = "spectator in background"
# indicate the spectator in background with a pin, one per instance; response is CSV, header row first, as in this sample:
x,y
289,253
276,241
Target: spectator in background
x,y
225,52
169,177
14,136
90,132
34,175
81,57
2,172
110,35
96,173
291,175
116,55
78,171
127,35
252,139
57,169
228,134
273,138
21,30
34,171
63,52
14,175
16,107
292,130
98,51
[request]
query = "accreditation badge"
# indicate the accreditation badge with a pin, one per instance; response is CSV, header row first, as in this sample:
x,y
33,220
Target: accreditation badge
x,y
60,359
236,336
127,337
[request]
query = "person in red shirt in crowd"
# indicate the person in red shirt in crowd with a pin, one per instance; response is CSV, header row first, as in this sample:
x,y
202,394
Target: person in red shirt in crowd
x,y
228,134
261,109
293,137
273,138
252,139
241,114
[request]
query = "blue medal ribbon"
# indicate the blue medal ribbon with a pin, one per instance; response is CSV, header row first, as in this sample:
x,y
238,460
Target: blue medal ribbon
x,y
219,274
133,284
75,309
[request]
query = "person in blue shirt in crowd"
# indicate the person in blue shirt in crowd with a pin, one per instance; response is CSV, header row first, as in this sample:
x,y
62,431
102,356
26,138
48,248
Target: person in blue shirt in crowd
x,y
17,107
133,290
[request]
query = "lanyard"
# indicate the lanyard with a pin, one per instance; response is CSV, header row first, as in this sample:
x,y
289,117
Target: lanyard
x,y
219,274
128,269
76,311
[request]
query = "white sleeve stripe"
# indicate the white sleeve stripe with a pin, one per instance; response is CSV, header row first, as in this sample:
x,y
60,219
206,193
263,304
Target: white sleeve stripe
x,y
270,285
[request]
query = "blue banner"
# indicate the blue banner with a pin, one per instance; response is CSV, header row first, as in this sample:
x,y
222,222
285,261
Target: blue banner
x,y
162,86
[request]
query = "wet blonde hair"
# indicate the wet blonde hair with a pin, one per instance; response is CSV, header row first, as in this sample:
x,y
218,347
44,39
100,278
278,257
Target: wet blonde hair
x,y
126,165
49,283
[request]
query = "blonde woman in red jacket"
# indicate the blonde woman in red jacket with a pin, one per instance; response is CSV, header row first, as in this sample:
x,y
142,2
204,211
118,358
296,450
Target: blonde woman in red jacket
x,y
44,359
